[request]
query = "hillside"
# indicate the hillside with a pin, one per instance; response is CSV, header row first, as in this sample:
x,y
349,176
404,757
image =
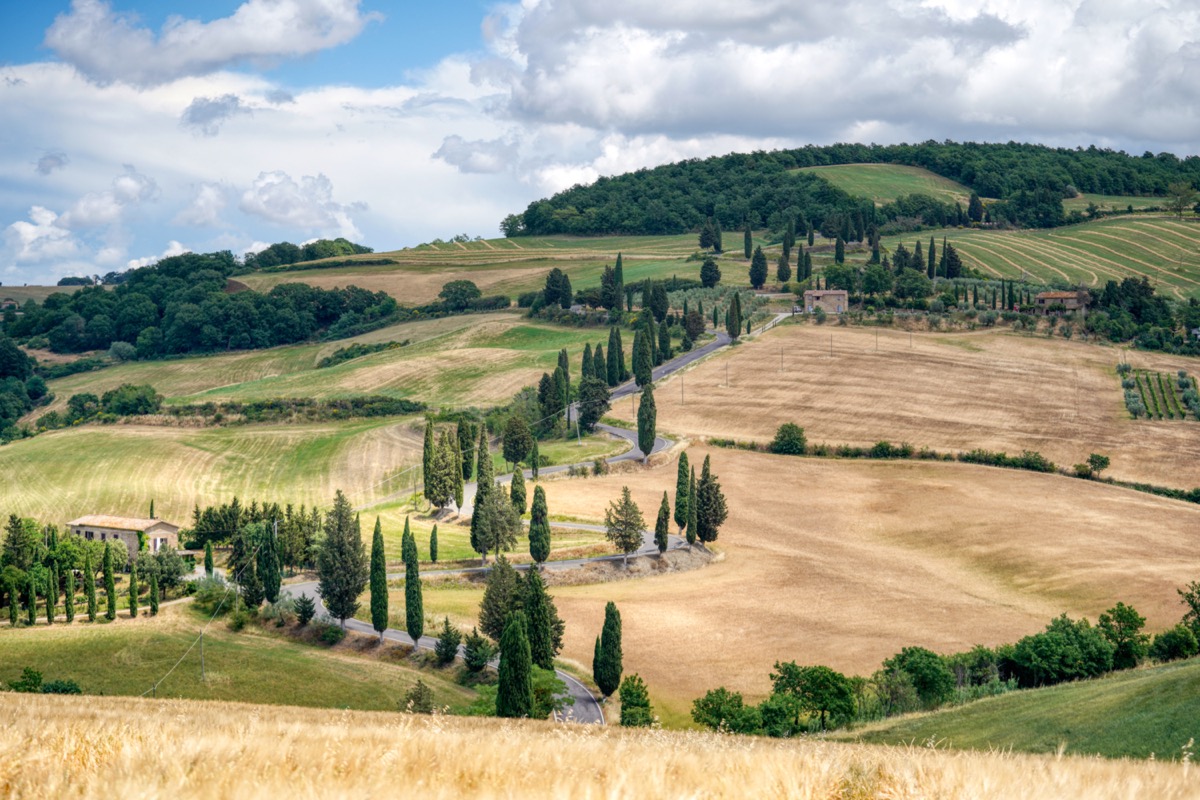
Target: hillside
x,y
1144,713
884,183
100,747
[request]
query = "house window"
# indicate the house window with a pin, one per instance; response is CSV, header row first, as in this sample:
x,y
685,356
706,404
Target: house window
x,y
102,536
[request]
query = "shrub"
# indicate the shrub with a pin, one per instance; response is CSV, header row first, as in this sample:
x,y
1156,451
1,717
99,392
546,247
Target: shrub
x,y
238,619
306,609
330,634
1174,644
789,440
61,687
1123,369
930,676
418,699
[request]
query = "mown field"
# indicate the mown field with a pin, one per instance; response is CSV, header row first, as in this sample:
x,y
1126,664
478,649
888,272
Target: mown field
x,y
1163,249
1143,713
843,563
127,657
102,747
947,391
883,183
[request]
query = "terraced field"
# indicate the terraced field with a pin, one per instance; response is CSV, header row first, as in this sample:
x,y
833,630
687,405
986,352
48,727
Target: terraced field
x,y
883,183
1163,249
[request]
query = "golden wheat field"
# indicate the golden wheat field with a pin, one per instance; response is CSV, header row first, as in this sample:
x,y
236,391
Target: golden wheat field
x,y
56,746
843,563
948,391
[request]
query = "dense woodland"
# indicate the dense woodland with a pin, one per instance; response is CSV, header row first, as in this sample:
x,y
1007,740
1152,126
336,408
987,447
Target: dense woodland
x,y
1028,180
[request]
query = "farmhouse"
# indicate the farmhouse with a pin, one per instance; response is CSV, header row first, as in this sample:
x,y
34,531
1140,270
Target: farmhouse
x,y
1050,302
831,301
8,303
101,527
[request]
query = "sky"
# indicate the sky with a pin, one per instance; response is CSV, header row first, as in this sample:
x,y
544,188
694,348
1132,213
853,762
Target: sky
x,y
134,129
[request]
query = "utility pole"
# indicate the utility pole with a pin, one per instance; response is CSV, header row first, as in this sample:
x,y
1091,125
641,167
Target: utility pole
x,y
831,345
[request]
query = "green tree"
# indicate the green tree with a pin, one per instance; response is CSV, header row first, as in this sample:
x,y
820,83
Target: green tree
x,y
839,251
613,367
414,609
1122,626
70,596
1180,197
498,523
51,595
514,697
133,589
711,510
721,709
208,559
599,364
647,422
586,361
466,432
747,242
817,690
663,351
477,651
710,273
535,460
516,494
110,584
545,627
518,441
433,545
378,582
153,596
876,280
501,595
32,598
693,510
930,676
539,527
783,270
789,440
427,464
1189,595
662,525
643,359
733,317
418,699
268,564
89,584
446,649
758,268
443,479
484,486
975,208
306,609
251,585
635,703
342,570
623,523
594,402
608,668
457,295
681,492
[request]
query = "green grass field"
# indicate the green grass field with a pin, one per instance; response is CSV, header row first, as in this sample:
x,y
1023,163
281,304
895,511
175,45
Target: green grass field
x,y
126,657
1138,714
1110,202
1163,249
883,183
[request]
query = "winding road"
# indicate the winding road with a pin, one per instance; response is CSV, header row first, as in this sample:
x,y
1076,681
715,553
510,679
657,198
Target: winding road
x,y
587,708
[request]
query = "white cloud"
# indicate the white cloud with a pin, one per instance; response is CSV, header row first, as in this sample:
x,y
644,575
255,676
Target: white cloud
x,y
40,239
106,208
205,114
205,208
174,248
110,46
495,155
307,204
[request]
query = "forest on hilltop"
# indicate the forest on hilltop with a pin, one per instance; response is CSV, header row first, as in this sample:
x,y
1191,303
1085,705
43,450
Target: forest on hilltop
x,y
1028,182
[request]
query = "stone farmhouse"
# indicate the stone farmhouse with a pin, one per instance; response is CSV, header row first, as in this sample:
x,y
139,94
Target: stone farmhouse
x,y
1061,302
831,301
101,527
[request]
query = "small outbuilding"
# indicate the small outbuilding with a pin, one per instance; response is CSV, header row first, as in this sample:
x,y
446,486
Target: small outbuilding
x,y
157,533
8,303
1061,302
831,301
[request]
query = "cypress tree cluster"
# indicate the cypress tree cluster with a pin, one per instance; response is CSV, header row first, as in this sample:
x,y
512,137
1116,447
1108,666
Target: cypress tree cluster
x,y
378,581
606,667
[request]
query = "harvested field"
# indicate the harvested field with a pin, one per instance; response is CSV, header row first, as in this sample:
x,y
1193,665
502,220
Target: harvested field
x,y
843,563
56,746
960,391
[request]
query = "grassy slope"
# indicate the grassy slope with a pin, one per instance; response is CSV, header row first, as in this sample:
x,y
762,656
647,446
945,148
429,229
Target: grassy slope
x,y
1139,713
1163,249
883,183
126,658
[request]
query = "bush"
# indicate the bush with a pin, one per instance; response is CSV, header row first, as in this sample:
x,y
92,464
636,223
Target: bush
x,y
1174,644
418,699
1067,650
789,440
330,634
213,595
61,687
238,620
306,609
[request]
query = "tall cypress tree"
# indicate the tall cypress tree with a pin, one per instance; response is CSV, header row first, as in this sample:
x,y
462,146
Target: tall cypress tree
x,y
514,695
414,610
465,432
455,467
539,527
378,581
484,485
643,365
535,460
427,458
542,616
758,268
747,243
711,510
693,516
433,545
110,583
52,595
516,491
733,317
623,370
268,564
89,584
208,559
932,256
70,597
664,343
647,422
599,364
133,590
153,594
586,362
342,569
619,281
31,594
663,524
681,492
608,674
14,617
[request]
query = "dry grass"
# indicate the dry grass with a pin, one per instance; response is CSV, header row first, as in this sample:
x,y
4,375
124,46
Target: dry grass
x,y
97,747
958,391
843,563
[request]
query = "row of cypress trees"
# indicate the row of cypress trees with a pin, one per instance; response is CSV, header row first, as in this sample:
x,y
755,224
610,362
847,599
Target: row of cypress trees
x,y
49,593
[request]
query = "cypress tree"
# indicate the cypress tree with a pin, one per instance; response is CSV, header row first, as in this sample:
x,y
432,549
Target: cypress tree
x,y
89,584
153,594
839,251
932,257
427,457
13,611
501,594
408,544
716,317
758,268
483,486
31,595
647,421
783,270
711,510
664,343
252,588
608,676
534,460
808,262
268,565
433,545
70,599
414,610
618,281
52,595
635,703
681,492
586,362
342,566
514,696
733,317
692,523
596,661
455,468
110,583
517,491
746,241
662,525
623,370
208,559
465,433
599,363
811,236
133,590
378,582
643,366
539,527
542,620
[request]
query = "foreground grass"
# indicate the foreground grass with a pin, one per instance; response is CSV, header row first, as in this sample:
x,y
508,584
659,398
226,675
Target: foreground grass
x,y
1139,713
127,657
54,746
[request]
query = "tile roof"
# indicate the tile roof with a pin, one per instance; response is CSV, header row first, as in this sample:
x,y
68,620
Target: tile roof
x,y
120,523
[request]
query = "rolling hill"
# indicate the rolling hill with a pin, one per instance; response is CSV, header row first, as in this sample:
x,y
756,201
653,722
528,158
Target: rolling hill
x,y
883,183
